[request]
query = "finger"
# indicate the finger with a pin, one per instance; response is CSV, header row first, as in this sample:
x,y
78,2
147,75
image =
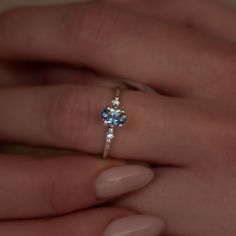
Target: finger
x,y
56,186
159,129
178,190
114,219
114,42
211,16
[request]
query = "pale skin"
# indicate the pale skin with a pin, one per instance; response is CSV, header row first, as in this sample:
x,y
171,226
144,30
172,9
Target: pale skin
x,y
187,130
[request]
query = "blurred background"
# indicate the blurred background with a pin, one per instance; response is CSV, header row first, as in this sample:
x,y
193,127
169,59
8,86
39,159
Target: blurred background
x,y
4,4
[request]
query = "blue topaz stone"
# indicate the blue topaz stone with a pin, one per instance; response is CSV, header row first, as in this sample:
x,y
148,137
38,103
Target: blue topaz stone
x,y
113,116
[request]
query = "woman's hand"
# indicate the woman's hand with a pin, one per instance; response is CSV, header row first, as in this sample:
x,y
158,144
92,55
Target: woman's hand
x,y
188,128
55,196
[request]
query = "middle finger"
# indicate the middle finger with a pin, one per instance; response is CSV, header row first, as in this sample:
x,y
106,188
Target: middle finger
x,y
119,43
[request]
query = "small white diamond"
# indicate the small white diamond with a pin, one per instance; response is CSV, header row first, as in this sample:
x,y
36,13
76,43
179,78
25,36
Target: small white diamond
x,y
110,136
116,102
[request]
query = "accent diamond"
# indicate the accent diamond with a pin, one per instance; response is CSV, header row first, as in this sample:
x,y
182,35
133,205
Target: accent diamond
x,y
116,102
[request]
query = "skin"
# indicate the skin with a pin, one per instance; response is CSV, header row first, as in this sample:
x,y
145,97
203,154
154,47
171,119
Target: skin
x,y
187,130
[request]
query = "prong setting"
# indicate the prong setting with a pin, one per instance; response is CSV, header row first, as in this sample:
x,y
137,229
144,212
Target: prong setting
x,y
113,116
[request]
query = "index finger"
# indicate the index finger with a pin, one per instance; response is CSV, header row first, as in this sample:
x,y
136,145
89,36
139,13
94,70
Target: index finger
x,y
176,60
32,188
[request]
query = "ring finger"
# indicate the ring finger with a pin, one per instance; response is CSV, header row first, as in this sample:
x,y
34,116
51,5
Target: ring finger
x,y
68,117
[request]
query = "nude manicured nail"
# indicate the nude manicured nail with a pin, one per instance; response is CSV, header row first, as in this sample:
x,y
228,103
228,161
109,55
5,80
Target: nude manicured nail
x,y
122,179
137,225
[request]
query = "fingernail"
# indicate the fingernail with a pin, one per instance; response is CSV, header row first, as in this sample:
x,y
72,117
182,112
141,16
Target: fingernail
x,y
137,225
122,179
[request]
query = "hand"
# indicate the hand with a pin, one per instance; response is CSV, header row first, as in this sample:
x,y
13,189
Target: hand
x,y
197,166
54,196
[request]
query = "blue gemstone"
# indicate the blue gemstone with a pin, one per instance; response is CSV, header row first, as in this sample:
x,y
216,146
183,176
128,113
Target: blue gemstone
x,y
104,114
113,116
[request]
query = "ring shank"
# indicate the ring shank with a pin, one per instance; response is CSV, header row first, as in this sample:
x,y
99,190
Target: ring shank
x,y
117,92
106,149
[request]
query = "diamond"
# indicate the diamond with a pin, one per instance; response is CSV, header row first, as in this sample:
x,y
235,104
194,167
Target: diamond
x,y
116,102
110,136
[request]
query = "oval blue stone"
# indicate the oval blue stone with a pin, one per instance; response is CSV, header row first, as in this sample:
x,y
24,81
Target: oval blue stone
x,y
113,116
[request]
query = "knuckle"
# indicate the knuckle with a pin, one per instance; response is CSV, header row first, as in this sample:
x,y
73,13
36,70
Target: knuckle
x,y
90,23
68,115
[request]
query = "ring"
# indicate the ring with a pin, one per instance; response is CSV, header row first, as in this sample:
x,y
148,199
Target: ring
x,y
112,117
